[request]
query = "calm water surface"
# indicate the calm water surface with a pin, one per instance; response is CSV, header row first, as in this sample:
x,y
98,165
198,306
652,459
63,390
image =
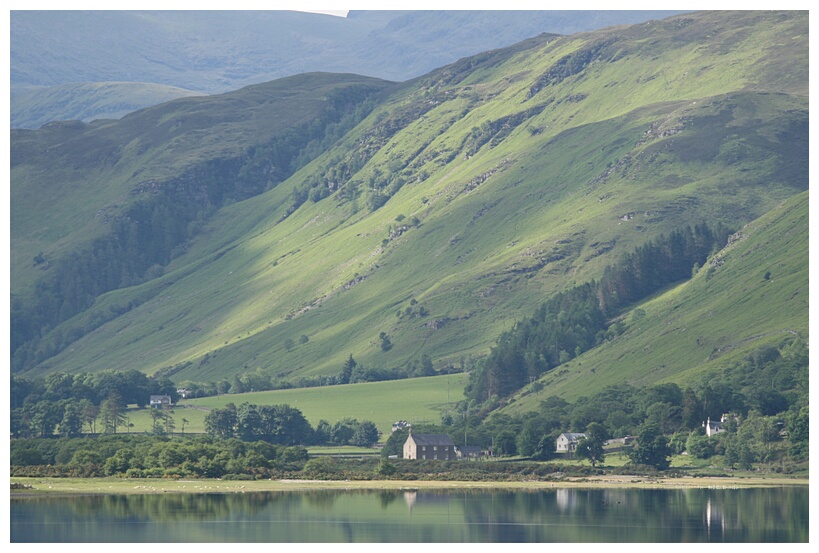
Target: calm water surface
x,y
555,515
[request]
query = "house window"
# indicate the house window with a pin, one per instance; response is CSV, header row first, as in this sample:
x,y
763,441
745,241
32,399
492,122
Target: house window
x,y
423,448
435,448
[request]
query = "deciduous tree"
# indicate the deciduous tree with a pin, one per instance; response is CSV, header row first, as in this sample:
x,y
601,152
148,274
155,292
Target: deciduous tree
x,y
652,449
366,434
591,447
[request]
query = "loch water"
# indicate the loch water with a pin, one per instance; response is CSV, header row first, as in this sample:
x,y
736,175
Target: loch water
x,y
558,515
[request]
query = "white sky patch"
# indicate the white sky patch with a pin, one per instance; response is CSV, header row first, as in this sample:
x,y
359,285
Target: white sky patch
x,y
337,13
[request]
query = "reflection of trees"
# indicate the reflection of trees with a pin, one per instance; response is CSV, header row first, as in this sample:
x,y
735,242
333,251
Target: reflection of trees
x,y
759,515
388,497
182,507
554,515
321,499
628,515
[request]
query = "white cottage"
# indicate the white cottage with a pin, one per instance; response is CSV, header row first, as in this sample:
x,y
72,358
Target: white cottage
x,y
567,442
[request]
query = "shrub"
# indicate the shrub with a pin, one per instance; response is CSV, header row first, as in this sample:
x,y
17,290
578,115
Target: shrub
x,y
238,477
320,468
25,457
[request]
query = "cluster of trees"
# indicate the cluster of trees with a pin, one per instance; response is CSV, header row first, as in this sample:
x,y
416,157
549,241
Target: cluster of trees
x,y
563,327
143,456
282,424
576,320
67,404
767,391
497,130
754,438
278,424
347,431
154,230
658,263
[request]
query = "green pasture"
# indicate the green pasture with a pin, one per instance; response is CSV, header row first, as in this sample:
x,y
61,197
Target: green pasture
x,y
417,400
142,420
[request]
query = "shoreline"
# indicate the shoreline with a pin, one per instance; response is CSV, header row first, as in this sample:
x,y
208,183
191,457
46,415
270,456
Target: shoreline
x,y
121,486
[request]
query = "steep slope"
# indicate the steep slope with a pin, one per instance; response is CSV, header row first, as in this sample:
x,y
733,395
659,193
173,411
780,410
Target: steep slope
x,y
95,206
470,195
69,175
752,293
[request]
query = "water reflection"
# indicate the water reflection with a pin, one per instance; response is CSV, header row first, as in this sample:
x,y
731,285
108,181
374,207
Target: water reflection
x,y
407,516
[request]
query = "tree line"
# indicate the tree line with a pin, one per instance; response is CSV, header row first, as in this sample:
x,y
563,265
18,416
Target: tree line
x,y
656,264
576,320
149,456
352,372
68,404
285,425
152,456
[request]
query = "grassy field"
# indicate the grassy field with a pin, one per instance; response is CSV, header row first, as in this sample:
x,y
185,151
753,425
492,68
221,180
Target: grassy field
x,y
417,400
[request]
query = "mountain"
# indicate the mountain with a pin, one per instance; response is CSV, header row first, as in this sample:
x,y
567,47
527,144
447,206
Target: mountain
x,y
34,107
64,63
292,224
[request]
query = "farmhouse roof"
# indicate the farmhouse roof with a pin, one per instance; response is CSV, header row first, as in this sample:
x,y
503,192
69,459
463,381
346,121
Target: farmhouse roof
x,y
432,439
573,436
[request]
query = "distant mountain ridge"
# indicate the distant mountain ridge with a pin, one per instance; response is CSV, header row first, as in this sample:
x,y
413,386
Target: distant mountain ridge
x,y
33,108
208,52
421,218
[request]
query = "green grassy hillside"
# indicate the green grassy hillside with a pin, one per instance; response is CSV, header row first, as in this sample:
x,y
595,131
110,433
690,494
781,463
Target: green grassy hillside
x,y
71,180
461,202
752,293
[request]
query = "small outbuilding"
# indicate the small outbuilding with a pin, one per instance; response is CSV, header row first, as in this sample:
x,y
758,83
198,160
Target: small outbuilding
x,y
400,425
159,402
469,452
